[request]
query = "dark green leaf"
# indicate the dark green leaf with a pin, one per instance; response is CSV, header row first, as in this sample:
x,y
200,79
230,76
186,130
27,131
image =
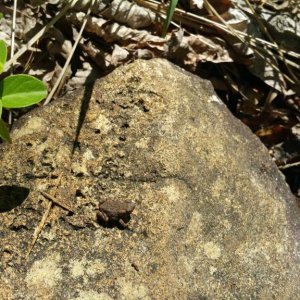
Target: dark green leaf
x,y
4,134
21,90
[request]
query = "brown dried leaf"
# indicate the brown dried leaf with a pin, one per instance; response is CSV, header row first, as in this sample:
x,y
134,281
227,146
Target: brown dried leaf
x,y
144,54
274,134
58,45
220,6
266,68
236,19
196,48
119,55
100,57
114,32
130,14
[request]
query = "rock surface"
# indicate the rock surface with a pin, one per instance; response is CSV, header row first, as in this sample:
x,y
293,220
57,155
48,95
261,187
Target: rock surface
x,y
213,217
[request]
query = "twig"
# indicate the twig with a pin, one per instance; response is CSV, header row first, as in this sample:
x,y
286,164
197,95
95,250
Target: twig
x,y
57,201
40,227
287,166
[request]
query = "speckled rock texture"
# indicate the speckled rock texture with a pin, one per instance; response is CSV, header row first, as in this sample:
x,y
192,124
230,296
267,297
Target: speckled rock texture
x,y
213,218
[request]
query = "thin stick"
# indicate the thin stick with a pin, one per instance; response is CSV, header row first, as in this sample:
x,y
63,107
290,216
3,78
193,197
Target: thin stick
x,y
291,165
13,34
57,201
12,47
40,227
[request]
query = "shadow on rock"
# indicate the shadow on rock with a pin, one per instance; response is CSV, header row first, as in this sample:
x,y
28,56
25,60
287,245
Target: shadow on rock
x,y
11,196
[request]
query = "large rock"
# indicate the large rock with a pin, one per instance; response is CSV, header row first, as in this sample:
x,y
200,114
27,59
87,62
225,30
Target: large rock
x,y
214,218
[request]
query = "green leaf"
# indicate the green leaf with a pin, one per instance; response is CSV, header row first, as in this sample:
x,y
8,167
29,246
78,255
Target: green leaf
x,y
170,12
4,134
1,15
0,109
21,90
3,54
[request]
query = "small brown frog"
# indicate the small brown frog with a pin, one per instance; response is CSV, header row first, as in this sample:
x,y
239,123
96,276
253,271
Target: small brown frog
x,y
115,212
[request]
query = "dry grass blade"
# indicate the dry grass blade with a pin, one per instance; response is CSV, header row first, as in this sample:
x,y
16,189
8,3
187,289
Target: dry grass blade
x,y
39,228
40,34
258,50
266,32
13,33
60,78
292,165
12,48
57,201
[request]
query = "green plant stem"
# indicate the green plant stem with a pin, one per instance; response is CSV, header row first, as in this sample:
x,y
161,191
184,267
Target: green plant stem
x,y
170,13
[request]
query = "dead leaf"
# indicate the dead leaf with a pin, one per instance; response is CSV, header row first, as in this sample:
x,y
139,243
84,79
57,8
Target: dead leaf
x,y
130,14
119,55
196,4
190,50
114,32
274,134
